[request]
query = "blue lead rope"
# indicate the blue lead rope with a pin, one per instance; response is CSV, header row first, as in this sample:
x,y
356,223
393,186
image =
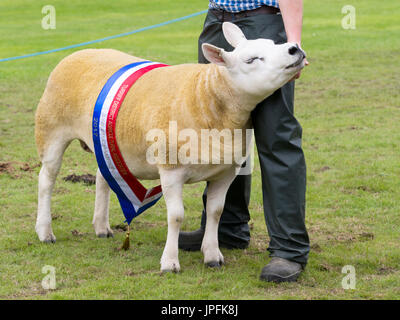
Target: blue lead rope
x,y
106,38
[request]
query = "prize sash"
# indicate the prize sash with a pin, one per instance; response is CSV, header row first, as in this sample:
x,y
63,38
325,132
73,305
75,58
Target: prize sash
x,y
133,197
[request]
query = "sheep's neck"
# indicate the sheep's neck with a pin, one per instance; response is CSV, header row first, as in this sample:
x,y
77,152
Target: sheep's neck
x,y
228,105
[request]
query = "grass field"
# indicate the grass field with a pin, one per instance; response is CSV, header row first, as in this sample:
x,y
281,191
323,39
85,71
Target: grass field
x,y
347,101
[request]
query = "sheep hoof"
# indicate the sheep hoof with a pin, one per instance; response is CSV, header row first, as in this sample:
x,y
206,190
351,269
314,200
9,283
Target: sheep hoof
x,y
170,271
168,266
49,240
173,270
105,235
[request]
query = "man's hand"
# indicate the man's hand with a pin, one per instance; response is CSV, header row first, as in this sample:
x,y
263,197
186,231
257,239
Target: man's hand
x,y
306,63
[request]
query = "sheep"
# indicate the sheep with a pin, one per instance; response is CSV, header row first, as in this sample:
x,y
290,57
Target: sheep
x,y
220,95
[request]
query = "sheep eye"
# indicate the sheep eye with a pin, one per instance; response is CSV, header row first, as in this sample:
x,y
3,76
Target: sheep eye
x,y
251,60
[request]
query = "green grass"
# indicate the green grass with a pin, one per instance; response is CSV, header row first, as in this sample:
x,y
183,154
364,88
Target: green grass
x,y
347,102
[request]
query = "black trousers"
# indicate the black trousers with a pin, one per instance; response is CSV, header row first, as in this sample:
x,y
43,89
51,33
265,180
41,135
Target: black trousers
x,y
278,140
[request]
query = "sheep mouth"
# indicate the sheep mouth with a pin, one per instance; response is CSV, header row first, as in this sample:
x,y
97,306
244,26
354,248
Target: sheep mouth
x,y
297,62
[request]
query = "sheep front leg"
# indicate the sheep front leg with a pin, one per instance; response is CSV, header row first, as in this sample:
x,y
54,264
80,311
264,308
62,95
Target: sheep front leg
x,y
172,186
216,194
101,207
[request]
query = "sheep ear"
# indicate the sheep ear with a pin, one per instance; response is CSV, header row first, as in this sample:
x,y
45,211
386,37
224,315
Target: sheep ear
x,y
232,34
214,54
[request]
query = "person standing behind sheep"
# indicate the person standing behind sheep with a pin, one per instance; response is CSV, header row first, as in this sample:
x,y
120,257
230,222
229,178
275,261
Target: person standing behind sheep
x,y
278,139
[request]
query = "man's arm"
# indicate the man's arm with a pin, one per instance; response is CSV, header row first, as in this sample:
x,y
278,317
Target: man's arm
x,y
292,15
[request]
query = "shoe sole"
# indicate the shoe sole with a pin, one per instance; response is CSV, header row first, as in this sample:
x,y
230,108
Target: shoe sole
x,y
278,278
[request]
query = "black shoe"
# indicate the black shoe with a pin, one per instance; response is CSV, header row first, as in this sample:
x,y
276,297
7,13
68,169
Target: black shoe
x,y
191,241
281,270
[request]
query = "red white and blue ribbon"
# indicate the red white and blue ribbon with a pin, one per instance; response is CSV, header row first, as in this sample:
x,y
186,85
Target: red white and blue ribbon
x,y
133,197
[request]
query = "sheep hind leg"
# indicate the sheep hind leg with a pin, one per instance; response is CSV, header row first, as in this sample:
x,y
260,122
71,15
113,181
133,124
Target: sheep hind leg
x,y
51,163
